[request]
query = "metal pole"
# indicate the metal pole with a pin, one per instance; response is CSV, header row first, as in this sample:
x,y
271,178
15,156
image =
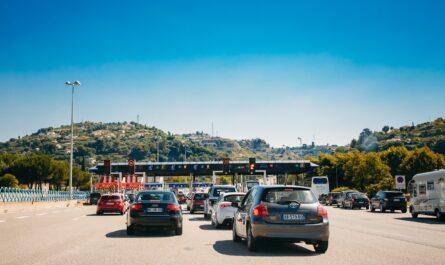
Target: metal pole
x,y
157,152
336,174
72,142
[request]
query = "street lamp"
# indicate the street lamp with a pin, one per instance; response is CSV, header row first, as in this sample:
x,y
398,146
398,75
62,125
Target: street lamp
x,y
72,85
185,153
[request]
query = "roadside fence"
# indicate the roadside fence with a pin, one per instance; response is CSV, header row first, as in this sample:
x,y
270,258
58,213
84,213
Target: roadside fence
x,y
32,195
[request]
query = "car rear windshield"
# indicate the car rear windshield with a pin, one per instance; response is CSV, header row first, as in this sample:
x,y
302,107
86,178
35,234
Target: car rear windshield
x,y
288,195
359,196
156,196
200,196
95,195
394,194
335,195
218,191
234,198
110,197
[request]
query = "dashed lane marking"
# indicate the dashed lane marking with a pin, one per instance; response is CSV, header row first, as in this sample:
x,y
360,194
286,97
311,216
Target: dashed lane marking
x,y
41,214
23,217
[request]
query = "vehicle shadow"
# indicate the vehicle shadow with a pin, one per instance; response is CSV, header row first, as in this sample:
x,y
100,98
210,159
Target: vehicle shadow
x,y
228,247
107,214
123,234
197,219
422,220
211,227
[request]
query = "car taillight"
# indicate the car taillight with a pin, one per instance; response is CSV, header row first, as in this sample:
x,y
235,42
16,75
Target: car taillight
x,y
136,207
260,210
321,211
173,207
225,204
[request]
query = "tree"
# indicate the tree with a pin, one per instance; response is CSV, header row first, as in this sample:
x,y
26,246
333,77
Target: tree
x,y
385,129
9,180
393,157
59,173
33,169
421,160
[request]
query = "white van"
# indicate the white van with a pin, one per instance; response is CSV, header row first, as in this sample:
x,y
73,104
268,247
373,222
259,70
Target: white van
x,y
428,194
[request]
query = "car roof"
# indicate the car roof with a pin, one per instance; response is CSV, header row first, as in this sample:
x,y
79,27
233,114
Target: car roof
x,y
284,186
223,186
234,193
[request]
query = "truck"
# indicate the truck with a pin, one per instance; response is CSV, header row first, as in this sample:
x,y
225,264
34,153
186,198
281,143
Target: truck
x,y
428,194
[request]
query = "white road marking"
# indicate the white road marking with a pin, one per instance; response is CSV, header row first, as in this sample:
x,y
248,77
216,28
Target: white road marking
x,y
56,212
40,214
2,221
23,217
77,218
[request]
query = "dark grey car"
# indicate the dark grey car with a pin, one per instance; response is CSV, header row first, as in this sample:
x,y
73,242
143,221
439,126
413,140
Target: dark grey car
x,y
281,213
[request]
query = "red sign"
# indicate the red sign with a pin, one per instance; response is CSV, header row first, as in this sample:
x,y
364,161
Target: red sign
x,y
131,163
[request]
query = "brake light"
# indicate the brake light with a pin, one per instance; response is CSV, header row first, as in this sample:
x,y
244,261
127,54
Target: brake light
x,y
136,207
225,204
260,210
321,211
173,207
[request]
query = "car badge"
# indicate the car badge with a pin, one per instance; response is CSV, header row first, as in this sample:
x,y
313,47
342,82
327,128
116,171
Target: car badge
x,y
293,205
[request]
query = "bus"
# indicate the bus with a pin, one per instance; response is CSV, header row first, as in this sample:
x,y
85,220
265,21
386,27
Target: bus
x,y
320,185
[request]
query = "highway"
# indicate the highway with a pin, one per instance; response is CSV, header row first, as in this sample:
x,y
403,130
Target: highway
x,y
78,236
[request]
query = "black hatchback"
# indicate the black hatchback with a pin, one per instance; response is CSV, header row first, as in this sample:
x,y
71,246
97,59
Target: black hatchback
x,y
388,200
94,198
157,210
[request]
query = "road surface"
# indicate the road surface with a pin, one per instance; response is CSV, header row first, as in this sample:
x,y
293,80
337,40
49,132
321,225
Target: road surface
x,y
78,236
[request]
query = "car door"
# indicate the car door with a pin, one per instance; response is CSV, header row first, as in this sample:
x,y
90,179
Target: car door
x,y
241,214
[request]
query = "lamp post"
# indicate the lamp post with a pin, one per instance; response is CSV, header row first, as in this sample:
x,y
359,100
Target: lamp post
x,y
185,153
72,85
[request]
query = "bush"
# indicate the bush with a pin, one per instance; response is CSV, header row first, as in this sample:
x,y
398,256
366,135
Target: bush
x,y
9,180
340,189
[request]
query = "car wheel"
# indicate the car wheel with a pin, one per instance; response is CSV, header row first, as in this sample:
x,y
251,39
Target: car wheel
x,y
252,243
98,213
321,247
188,208
403,210
235,236
413,213
382,210
178,231
439,216
371,208
130,230
392,210
121,213
343,205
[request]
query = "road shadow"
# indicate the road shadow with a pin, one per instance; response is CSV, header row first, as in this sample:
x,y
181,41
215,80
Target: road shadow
x,y
422,220
211,227
139,233
230,248
202,219
104,215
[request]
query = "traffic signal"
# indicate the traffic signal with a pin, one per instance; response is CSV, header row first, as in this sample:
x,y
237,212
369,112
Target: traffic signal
x,y
131,165
252,162
107,167
226,163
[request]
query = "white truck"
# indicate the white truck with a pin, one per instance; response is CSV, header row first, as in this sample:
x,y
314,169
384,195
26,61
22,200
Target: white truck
x,y
428,194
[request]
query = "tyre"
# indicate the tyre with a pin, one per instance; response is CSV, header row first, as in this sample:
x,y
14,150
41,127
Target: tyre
x,y
371,208
121,213
382,210
321,247
188,208
252,243
192,211
130,230
413,213
404,210
439,216
235,237
178,231
98,213
215,222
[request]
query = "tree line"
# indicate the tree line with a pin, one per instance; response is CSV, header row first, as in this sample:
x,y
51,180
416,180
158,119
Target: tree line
x,y
33,171
373,171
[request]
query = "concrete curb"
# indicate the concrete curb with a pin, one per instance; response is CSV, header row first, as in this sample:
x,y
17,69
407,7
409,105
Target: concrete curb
x,y
6,208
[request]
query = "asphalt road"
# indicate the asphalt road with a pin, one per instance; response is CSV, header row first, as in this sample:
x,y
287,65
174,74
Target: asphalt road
x,y
78,236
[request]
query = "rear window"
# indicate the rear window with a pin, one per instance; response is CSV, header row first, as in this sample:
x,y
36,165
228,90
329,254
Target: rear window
x,y
95,195
110,197
200,196
156,196
287,195
359,196
218,191
394,194
335,195
320,180
234,198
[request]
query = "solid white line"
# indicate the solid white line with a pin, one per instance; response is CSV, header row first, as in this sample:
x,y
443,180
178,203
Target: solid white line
x,y
40,214
2,221
23,217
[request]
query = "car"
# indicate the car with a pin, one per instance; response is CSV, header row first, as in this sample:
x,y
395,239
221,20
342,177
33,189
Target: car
x,y
196,202
188,200
155,209
427,194
281,213
342,197
332,198
388,200
356,200
223,212
323,198
109,203
94,198
213,194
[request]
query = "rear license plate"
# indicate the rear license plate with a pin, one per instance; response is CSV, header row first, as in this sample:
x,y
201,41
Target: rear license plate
x,y
154,210
396,200
110,203
293,217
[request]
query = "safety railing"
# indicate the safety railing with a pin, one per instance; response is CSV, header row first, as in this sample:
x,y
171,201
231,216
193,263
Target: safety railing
x,y
31,195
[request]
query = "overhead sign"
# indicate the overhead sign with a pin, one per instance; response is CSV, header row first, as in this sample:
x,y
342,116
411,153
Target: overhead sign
x,y
177,185
202,185
400,182
153,185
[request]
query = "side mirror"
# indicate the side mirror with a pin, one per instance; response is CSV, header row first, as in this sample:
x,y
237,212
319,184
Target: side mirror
x,y
235,204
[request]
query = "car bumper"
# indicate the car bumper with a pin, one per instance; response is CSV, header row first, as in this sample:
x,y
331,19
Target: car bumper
x,y
166,222
224,216
110,209
294,233
395,206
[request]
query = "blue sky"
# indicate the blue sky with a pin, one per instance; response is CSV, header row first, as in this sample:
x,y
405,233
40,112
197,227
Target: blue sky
x,y
264,69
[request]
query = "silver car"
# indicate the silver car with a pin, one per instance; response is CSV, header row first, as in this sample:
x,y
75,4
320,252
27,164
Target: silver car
x,y
223,211
281,213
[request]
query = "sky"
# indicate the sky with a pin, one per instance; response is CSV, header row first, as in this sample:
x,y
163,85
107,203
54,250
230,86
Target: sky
x,y
320,70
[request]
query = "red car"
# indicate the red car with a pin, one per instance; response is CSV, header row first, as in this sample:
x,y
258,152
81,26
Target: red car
x,y
109,203
196,202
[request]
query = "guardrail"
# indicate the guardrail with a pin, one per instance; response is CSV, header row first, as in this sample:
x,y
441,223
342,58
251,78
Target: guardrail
x,y
27,195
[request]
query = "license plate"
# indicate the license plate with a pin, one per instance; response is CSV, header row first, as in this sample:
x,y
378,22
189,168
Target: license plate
x,y
110,203
154,210
360,202
396,200
293,217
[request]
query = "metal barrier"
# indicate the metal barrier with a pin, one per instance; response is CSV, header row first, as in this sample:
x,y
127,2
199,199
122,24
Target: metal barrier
x,y
26,195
